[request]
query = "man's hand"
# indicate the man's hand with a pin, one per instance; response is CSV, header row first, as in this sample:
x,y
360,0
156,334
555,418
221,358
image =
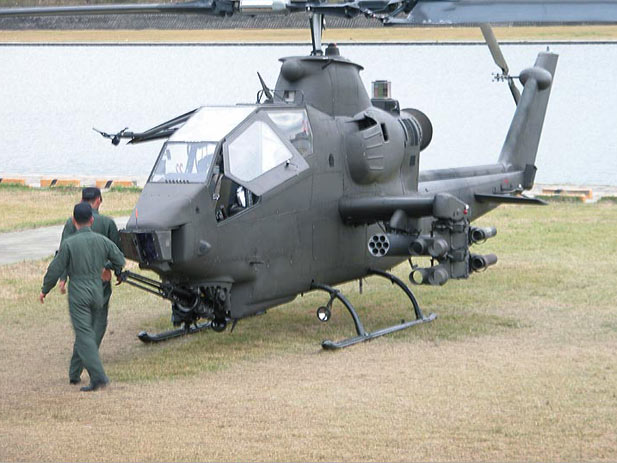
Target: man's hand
x,y
42,297
62,286
106,274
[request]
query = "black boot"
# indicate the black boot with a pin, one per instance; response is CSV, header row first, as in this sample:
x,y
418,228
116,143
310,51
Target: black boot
x,y
94,386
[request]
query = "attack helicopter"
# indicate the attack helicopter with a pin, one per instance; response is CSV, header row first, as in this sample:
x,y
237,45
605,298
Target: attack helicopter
x,y
318,183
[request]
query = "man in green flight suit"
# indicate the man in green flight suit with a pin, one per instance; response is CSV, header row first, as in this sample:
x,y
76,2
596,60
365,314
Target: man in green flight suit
x,y
107,227
83,257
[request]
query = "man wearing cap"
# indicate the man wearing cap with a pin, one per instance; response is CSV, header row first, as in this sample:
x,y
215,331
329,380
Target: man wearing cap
x,y
107,227
82,257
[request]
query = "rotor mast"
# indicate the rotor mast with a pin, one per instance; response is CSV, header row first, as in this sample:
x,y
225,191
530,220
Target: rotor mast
x,y
317,26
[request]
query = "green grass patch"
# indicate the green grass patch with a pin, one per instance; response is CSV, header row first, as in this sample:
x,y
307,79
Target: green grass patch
x,y
13,186
126,189
608,199
22,207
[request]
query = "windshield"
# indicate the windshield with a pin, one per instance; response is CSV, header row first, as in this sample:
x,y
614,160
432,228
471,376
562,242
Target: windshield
x,y
295,125
183,162
187,156
255,151
211,123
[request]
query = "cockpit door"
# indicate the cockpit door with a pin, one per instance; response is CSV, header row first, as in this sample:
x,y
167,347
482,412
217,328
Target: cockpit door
x,y
259,157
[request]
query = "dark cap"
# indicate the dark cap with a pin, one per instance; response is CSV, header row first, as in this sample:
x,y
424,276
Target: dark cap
x,y
82,213
89,193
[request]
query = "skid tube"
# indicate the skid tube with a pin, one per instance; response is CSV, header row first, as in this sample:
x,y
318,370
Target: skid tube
x,y
362,334
186,328
166,292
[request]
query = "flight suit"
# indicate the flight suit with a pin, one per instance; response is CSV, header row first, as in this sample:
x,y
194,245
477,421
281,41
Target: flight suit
x,y
105,226
82,257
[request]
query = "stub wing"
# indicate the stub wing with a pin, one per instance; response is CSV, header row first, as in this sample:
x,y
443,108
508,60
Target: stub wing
x,y
509,199
367,210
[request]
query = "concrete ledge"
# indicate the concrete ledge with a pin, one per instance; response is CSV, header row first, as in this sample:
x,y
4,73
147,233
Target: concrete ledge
x,y
583,193
106,184
52,182
13,181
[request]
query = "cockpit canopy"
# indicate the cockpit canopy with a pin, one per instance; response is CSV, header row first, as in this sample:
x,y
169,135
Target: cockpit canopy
x,y
254,140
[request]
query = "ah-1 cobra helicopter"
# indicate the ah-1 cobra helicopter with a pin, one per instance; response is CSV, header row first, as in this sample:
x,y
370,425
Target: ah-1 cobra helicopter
x,y
317,183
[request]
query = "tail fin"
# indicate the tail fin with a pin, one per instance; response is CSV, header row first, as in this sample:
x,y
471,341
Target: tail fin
x,y
521,145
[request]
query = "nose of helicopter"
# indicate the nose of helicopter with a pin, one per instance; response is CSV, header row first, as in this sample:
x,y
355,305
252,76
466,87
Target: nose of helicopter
x,y
161,226
156,211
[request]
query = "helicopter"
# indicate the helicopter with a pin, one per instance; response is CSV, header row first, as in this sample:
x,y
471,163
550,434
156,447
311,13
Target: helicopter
x,y
318,182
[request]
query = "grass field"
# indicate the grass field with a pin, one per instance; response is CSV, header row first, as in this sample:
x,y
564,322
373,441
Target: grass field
x,y
519,365
23,207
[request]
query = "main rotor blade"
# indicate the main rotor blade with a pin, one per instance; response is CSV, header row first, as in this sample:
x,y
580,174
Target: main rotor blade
x,y
347,9
425,12
219,7
493,46
436,12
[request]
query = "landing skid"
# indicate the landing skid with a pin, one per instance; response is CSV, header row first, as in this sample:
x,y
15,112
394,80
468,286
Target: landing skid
x,y
166,335
363,335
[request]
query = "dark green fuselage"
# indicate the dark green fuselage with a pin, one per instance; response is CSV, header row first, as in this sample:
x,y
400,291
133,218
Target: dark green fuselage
x,y
312,227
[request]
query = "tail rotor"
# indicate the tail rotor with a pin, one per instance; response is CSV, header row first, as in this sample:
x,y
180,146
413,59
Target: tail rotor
x,y
493,46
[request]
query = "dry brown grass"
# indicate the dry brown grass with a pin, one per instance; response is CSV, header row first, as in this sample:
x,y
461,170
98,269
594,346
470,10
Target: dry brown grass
x,y
520,365
23,208
378,34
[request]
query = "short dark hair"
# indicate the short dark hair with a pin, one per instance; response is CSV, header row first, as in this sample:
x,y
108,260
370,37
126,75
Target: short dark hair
x,y
90,193
82,213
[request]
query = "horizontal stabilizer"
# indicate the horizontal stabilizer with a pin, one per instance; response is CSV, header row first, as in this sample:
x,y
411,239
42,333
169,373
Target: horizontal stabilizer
x,y
509,199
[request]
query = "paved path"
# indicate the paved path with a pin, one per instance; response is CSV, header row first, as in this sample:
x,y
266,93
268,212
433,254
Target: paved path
x,y
34,244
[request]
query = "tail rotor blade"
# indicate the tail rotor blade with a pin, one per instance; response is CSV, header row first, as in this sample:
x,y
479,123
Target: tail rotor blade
x,y
493,46
516,94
